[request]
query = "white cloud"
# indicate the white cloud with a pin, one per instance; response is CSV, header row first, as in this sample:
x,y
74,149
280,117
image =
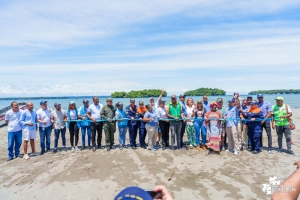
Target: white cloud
x,y
65,23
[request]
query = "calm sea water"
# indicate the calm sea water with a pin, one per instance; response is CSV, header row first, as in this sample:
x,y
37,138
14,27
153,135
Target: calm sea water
x,y
291,99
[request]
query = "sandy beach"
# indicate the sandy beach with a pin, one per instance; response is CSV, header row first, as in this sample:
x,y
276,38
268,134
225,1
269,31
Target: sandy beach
x,y
101,174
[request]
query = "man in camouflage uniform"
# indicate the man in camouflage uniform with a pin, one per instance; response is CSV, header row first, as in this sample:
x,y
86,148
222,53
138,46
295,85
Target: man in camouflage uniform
x,y
108,113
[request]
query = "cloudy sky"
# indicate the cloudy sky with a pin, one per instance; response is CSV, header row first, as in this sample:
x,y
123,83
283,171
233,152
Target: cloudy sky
x,y
97,47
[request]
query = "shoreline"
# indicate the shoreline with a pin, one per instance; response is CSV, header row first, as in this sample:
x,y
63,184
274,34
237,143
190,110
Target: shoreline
x,y
101,174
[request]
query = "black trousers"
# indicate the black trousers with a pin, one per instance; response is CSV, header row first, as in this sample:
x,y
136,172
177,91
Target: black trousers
x,y
96,127
183,124
267,127
164,126
74,132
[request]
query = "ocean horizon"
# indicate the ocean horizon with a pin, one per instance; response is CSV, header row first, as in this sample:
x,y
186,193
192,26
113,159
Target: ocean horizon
x,y
293,100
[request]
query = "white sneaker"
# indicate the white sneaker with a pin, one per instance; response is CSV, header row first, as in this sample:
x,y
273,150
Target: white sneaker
x,y
229,151
76,148
223,148
236,153
153,149
270,152
72,149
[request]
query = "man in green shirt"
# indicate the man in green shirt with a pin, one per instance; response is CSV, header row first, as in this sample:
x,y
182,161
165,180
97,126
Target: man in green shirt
x,y
281,115
108,113
174,111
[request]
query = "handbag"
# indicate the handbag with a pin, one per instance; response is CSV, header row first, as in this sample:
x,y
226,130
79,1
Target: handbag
x,y
291,123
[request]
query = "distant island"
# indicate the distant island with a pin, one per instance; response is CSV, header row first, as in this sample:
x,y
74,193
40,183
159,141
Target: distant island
x,y
138,94
283,91
205,91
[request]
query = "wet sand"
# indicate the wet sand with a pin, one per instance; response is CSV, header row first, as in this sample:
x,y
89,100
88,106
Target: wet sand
x,y
101,174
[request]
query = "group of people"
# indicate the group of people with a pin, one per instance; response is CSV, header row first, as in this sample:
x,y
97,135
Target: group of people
x,y
240,125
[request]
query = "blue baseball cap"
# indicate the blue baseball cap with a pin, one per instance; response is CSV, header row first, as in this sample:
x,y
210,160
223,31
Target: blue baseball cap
x,y
42,102
132,100
132,191
260,95
254,102
57,104
231,101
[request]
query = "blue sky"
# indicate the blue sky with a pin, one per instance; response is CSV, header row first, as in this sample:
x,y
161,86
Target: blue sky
x,y
98,47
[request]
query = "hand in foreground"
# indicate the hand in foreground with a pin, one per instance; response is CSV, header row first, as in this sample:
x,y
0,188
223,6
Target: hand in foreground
x,y
297,163
165,193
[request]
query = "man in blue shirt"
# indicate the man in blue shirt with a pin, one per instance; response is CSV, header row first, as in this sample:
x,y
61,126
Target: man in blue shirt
x,y
266,108
28,120
205,103
85,124
183,122
131,112
231,114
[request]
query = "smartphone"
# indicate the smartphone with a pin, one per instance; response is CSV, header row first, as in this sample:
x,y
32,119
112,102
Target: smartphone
x,y
154,195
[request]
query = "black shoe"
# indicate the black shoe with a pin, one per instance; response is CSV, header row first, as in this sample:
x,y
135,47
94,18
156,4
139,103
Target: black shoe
x,y
163,148
290,152
99,146
42,152
54,151
134,148
82,148
90,147
125,146
108,148
9,159
65,149
94,148
48,149
255,152
111,147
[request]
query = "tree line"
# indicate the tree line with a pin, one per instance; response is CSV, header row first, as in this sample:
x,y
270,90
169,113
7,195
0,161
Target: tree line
x,y
283,91
205,91
138,94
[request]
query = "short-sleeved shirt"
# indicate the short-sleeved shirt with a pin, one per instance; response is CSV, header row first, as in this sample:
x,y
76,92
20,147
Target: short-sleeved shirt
x,y
152,114
161,113
206,106
13,118
95,111
45,116
82,112
183,108
232,113
222,111
58,116
189,112
28,117
244,109
265,107
278,111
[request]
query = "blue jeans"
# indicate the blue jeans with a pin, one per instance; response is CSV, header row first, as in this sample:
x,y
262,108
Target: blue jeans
x,y
84,130
122,134
198,125
14,140
63,137
45,134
